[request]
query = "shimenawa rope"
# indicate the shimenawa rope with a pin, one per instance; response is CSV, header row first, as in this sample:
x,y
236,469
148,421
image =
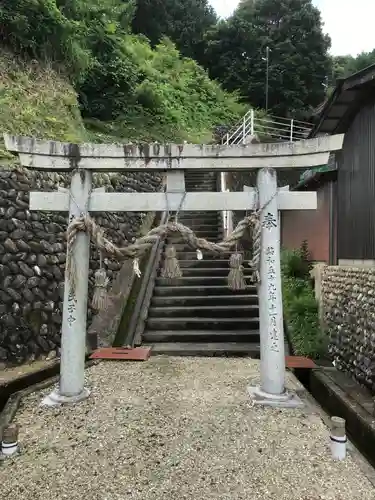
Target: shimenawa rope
x,y
172,270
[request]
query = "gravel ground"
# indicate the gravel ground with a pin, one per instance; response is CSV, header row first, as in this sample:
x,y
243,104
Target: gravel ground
x,y
175,428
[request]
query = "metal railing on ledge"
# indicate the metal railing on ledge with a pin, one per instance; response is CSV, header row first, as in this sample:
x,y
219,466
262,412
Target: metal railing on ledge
x,y
272,127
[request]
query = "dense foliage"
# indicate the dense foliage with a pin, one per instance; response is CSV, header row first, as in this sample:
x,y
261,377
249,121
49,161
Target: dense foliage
x,y
344,66
133,83
125,87
300,306
185,22
298,62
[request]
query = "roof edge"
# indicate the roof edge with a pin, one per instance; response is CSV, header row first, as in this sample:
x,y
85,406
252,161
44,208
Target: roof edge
x,y
356,79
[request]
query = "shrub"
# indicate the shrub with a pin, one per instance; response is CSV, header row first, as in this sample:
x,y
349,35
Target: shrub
x,y
301,310
39,29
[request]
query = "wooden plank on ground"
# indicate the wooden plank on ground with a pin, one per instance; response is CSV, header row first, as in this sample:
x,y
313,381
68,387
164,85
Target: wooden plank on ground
x,y
123,354
299,362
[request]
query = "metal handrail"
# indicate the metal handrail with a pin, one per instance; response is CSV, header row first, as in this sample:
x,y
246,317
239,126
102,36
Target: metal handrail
x,y
274,126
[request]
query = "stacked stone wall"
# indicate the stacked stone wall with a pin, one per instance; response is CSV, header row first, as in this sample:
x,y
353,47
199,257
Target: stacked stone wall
x,y
348,302
32,257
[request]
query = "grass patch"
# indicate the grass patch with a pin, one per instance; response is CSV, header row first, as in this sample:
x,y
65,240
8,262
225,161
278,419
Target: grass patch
x,y
37,101
301,309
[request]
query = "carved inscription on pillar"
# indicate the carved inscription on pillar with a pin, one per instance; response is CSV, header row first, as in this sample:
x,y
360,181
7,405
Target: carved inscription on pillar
x,y
273,314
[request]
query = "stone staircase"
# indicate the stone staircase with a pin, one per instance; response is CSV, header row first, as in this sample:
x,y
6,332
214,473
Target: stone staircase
x,y
198,314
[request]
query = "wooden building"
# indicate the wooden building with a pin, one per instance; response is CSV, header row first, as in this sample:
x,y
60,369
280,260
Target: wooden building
x,y
342,230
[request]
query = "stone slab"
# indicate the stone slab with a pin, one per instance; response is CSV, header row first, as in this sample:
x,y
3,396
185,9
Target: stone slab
x,y
288,400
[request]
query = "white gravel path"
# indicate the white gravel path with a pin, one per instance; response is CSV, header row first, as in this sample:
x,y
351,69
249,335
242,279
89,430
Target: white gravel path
x,y
175,428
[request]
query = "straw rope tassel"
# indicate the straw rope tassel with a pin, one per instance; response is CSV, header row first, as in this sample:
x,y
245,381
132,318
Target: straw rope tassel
x,y
236,278
100,298
171,268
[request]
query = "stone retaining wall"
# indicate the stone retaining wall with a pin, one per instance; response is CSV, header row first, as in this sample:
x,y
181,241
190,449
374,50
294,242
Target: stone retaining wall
x,y
348,302
32,257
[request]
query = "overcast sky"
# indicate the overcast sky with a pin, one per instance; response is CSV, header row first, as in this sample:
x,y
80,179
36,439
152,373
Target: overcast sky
x,y
350,24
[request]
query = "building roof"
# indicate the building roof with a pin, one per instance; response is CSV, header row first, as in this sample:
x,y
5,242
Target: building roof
x,y
313,177
316,181
334,116
340,108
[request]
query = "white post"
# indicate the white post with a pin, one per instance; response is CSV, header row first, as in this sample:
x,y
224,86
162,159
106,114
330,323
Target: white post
x,y
73,338
272,352
243,130
252,123
338,438
291,130
224,213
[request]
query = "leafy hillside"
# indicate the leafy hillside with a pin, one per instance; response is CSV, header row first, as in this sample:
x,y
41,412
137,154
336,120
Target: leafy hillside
x,y
37,101
100,81
173,100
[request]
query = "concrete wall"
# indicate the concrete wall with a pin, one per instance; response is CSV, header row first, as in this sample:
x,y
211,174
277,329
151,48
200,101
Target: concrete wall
x,y
348,307
32,257
310,225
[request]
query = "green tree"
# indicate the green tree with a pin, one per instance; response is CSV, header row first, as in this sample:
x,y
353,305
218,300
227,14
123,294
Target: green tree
x,y
185,22
298,63
39,29
109,86
344,66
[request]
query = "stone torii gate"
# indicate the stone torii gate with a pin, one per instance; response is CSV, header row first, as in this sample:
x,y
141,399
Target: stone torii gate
x,y
83,160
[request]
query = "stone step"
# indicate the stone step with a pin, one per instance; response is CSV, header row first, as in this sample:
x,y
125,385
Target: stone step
x,y
192,189
204,263
202,220
200,291
177,241
200,177
202,224
192,255
208,188
202,311
206,233
211,215
199,226
207,323
200,180
184,247
210,235
211,272
207,349
151,336
200,281
194,184
206,300
196,214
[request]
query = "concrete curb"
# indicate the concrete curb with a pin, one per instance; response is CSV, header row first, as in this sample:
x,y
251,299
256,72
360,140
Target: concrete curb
x,y
25,385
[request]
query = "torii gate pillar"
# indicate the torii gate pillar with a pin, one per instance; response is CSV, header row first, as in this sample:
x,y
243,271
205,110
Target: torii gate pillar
x,y
73,342
271,391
